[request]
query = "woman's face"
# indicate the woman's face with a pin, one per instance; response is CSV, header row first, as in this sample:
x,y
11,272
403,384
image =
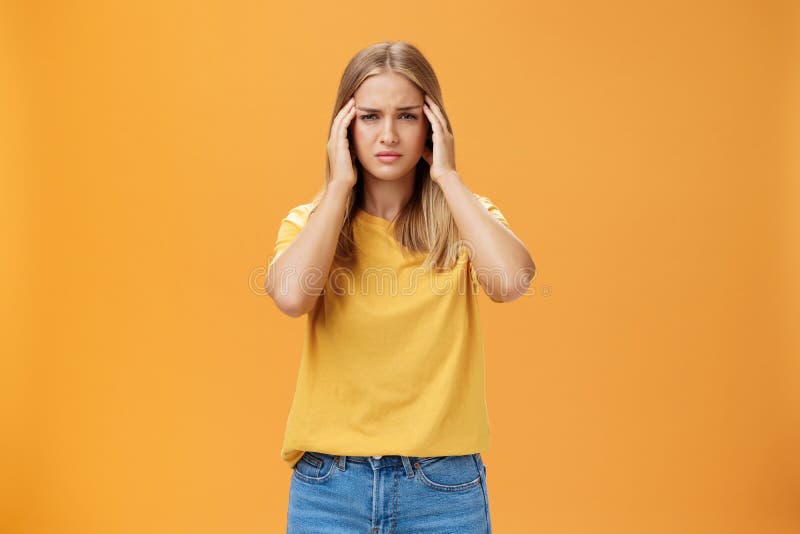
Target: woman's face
x,y
380,124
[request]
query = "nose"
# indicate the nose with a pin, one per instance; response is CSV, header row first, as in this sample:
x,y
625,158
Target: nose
x,y
388,135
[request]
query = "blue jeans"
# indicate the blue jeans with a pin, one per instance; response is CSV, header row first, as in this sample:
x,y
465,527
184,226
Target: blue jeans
x,y
388,495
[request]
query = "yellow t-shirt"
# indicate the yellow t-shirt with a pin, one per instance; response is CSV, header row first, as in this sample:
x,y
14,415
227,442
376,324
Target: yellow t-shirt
x,y
393,359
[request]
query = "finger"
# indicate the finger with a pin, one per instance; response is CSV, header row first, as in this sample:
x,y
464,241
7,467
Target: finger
x,y
433,119
346,107
347,119
343,124
438,112
350,104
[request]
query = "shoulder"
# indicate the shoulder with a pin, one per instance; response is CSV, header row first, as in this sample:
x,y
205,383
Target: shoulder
x,y
492,208
484,200
299,214
291,225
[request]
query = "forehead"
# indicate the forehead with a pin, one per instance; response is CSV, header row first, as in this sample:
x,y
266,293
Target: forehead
x,y
388,90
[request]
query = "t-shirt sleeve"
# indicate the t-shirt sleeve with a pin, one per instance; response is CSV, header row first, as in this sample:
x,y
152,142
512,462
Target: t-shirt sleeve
x,y
494,210
489,205
290,226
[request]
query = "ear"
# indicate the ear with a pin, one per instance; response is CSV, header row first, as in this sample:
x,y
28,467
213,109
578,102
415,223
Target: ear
x,y
427,155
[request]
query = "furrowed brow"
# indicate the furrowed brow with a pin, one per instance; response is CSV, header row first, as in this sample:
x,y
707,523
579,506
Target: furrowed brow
x,y
404,108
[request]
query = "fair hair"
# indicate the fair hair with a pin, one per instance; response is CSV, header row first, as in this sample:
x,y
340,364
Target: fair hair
x,y
424,224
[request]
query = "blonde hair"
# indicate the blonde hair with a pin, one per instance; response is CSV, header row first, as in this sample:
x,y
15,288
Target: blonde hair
x,y
425,223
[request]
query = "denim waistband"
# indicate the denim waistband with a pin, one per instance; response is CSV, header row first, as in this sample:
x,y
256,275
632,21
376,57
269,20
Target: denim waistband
x,y
380,460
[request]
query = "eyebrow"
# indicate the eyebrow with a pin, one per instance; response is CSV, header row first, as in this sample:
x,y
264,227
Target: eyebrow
x,y
404,108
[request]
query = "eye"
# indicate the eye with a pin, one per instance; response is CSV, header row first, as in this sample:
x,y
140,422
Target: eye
x,y
410,115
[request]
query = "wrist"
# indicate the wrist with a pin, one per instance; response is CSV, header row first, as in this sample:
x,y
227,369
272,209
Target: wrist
x,y
338,187
449,177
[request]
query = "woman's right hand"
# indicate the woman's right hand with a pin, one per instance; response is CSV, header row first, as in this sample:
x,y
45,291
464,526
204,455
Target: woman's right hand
x,y
343,167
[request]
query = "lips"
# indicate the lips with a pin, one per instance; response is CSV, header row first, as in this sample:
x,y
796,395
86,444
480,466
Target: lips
x,y
387,153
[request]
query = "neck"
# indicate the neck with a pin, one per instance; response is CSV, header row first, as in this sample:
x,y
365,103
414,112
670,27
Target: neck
x,y
385,198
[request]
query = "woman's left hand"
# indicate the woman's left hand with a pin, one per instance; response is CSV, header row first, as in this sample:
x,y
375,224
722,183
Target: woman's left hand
x,y
442,158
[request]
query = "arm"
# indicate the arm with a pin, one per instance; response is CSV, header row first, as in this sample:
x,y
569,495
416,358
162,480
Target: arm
x,y
297,275
504,266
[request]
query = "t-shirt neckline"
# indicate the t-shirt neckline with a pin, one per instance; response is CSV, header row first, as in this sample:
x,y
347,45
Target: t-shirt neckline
x,y
372,219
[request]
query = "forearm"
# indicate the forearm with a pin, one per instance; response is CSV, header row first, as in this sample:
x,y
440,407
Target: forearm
x,y
298,275
501,260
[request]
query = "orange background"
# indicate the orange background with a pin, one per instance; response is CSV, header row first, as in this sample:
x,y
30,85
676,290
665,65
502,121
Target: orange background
x,y
645,152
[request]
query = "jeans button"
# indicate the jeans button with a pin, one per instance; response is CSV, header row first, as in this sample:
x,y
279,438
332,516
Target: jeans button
x,y
377,457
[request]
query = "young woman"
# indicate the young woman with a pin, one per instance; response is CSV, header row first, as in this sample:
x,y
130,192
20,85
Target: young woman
x,y
389,414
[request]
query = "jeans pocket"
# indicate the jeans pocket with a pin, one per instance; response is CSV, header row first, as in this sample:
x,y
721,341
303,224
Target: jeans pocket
x,y
449,473
315,467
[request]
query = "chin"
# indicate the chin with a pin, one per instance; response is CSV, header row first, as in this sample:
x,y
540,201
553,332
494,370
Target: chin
x,y
391,173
